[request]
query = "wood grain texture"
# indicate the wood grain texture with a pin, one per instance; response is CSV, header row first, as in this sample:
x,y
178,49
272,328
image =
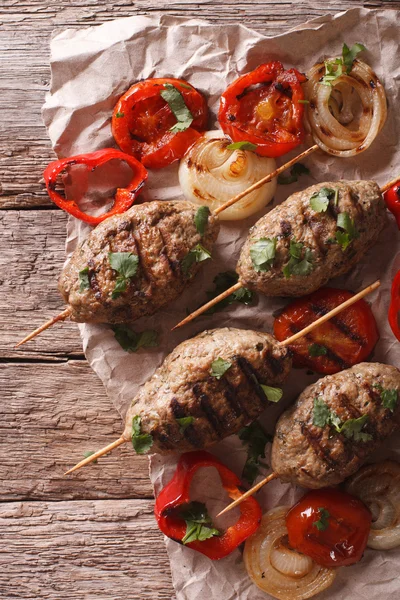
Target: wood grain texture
x,y
91,550
50,415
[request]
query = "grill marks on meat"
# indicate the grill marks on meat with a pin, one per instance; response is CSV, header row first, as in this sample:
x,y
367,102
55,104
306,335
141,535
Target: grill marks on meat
x,y
315,457
161,234
295,220
183,386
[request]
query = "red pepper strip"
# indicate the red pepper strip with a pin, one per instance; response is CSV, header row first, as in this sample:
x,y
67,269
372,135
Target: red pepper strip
x,y
392,199
176,494
124,197
394,308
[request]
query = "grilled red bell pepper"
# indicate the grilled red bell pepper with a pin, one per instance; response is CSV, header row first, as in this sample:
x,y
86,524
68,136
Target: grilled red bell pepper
x,y
394,308
392,199
175,496
124,197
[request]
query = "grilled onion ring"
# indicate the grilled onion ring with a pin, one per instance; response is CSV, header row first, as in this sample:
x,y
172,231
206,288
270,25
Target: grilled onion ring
x,y
378,486
329,116
277,569
210,174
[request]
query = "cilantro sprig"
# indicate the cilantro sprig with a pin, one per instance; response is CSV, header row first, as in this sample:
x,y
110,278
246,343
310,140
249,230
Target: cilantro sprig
x,y
184,422
195,255
320,200
141,442
243,145
389,397
351,429
222,282
198,523
131,341
126,265
349,231
219,367
255,438
315,350
300,261
201,219
176,102
84,279
295,172
341,65
262,253
323,522
273,394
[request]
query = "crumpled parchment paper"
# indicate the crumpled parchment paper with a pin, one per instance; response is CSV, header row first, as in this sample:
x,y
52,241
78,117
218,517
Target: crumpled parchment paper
x,y
91,68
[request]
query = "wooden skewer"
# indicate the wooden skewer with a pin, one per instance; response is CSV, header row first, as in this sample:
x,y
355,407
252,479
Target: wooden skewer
x,y
97,454
389,184
289,340
249,493
266,179
61,317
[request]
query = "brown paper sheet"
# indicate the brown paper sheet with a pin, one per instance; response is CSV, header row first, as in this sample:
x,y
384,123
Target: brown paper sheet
x,y
90,69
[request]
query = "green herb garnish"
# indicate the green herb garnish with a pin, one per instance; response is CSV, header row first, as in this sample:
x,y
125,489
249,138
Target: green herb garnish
x,y
90,453
126,265
219,367
255,438
333,70
349,54
300,262
262,253
351,429
119,115
320,200
297,170
273,394
176,102
195,255
350,233
184,422
141,442
131,341
242,146
201,219
84,279
389,399
222,282
198,523
317,350
323,523
339,66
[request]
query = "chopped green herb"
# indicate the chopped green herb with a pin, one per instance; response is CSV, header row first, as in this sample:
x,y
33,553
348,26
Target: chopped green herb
x,y
321,413
90,453
242,146
198,523
344,239
297,170
299,263
333,70
126,265
184,422
262,253
84,279
131,341
119,115
349,54
201,219
255,438
273,394
317,350
323,523
219,367
389,399
303,101
320,200
195,255
352,429
141,442
322,416
222,282
176,102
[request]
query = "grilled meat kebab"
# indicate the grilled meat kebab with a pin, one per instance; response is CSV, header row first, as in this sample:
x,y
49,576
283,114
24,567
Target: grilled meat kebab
x,y
161,234
296,221
312,454
184,387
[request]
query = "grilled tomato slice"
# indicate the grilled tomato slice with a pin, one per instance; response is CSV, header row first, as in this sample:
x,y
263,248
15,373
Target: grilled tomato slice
x,y
338,344
265,107
157,120
330,526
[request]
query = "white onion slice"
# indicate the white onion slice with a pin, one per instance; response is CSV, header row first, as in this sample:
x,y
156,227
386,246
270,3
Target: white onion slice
x,y
378,486
336,129
277,569
210,174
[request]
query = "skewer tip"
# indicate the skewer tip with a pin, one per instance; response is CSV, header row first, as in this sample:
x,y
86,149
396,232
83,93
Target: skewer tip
x,y
97,454
61,317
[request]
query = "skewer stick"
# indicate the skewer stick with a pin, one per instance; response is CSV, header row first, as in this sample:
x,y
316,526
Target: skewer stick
x,y
97,454
249,493
61,317
266,179
389,184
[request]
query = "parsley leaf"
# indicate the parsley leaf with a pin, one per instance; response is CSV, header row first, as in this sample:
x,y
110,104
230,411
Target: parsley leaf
x,y
273,394
297,170
323,523
262,253
201,219
90,453
298,265
126,265
242,146
349,54
255,438
131,341
195,255
344,221
198,523
317,350
222,282
322,415
219,367
333,70
184,422
119,115
84,279
141,442
176,102
389,399
320,200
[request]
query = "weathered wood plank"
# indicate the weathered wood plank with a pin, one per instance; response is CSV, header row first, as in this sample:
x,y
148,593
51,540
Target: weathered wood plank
x,y
50,414
96,550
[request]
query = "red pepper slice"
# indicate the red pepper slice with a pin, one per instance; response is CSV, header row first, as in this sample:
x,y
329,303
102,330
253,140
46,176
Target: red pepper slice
x,y
335,345
392,199
394,308
330,526
142,120
124,197
176,494
262,107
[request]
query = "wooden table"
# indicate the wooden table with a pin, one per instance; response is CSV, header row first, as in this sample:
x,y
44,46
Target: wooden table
x,y
90,536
